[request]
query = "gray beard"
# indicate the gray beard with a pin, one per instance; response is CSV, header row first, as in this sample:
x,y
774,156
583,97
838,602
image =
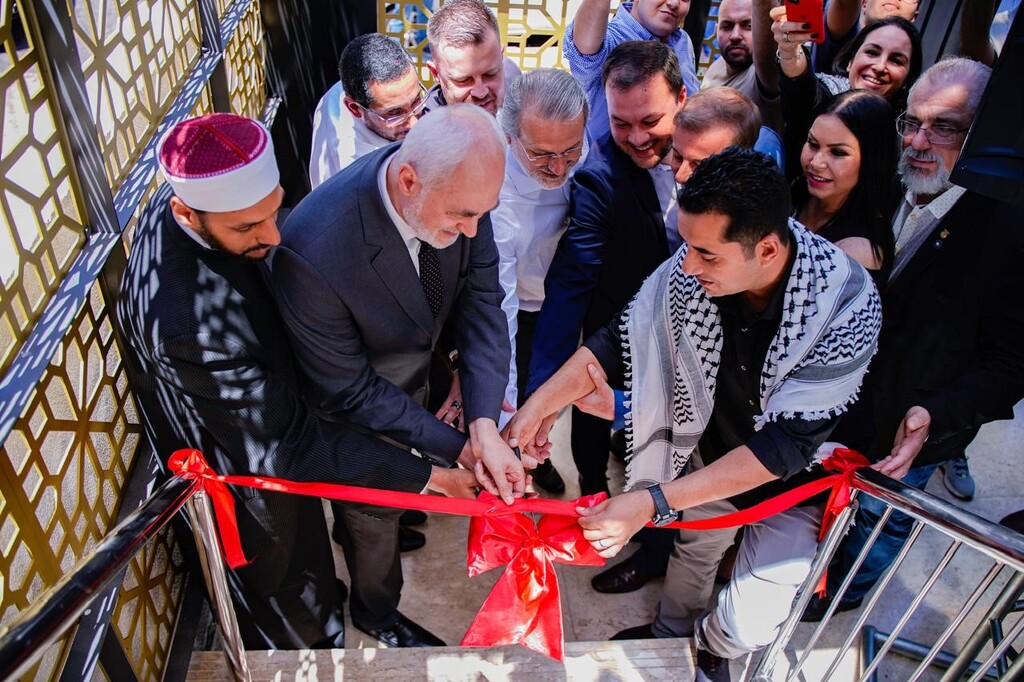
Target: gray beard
x,y
918,184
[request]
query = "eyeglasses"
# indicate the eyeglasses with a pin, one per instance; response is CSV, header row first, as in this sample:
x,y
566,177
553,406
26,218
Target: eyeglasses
x,y
399,119
940,134
570,156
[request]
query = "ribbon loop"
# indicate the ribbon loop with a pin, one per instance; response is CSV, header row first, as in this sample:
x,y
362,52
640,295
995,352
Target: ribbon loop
x,y
525,607
191,464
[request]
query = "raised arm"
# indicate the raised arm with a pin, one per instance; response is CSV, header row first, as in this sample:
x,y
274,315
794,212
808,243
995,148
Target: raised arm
x,y
842,15
764,46
975,25
590,25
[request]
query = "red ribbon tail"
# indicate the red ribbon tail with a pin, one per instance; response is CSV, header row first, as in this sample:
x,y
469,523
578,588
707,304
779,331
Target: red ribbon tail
x,y
192,464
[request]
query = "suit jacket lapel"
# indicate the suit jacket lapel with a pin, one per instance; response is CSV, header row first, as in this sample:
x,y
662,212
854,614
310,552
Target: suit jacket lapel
x,y
646,194
388,253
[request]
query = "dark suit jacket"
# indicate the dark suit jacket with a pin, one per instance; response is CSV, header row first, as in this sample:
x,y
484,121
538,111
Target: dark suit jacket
x,y
952,335
212,369
614,240
360,322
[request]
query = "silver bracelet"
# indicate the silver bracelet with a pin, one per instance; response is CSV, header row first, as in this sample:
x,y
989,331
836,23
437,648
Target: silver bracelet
x,y
794,58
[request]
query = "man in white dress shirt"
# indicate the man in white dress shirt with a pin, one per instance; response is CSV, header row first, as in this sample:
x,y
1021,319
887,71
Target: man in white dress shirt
x,y
544,118
378,99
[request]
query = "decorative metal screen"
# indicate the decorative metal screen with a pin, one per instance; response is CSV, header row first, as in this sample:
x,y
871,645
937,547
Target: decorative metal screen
x,y
64,465
244,62
531,30
133,54
67,452
41,227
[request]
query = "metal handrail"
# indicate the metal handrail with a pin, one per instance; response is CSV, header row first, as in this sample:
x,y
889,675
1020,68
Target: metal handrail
x,y
1001,544
996,541
31,632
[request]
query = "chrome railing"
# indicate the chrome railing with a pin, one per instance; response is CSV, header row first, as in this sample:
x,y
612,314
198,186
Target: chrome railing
x,y
975,626
31,633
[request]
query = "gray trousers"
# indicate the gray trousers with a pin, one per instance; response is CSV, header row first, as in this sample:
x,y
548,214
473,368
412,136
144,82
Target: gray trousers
x,y
773,560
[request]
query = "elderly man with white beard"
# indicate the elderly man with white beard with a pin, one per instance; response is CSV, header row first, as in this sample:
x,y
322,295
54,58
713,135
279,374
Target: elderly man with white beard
x,y
544,118
951,350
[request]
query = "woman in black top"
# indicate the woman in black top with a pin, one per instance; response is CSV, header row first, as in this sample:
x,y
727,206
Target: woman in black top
x,y
845,192
884,58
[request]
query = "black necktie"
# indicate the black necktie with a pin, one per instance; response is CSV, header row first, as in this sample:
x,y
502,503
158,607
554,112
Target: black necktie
x,y
430,277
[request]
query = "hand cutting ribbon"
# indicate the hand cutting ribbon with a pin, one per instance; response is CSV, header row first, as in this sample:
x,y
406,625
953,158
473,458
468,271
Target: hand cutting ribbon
x,y
524,606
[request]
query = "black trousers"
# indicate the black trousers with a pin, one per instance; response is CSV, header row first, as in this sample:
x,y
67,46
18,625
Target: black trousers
x,y
526,323
288,597
369,538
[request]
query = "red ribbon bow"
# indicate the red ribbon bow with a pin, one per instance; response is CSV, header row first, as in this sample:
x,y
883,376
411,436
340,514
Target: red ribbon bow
x,y
524,606
192,464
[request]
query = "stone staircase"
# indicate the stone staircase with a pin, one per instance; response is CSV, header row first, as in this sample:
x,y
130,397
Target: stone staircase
x,y
636,660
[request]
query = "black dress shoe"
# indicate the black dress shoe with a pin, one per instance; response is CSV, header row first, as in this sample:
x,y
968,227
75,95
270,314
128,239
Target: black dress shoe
x,y
412,517
620,578
817,607
409,539
404,633
711,668
638,632
546,477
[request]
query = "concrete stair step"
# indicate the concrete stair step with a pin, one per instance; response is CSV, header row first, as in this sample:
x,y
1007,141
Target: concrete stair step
x,y
639,660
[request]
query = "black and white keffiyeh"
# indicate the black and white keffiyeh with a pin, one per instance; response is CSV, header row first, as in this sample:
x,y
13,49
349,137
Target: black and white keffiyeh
x,y
672,342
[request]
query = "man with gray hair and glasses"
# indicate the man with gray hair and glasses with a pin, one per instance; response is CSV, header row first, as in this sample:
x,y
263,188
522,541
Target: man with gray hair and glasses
x,y
544,118
378,99
951,350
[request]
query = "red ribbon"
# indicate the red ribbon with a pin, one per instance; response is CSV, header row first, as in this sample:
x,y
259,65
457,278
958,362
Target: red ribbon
x,y
524,606
191,464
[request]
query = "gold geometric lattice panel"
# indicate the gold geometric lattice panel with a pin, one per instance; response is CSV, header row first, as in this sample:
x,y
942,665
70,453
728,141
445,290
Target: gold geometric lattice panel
x,y
222,7
243,59
135,56
40,224
709,48
148,604
531,30
65,463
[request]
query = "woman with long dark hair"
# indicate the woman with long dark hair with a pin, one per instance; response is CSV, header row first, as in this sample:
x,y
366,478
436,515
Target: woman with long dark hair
x,y
845,190
884,58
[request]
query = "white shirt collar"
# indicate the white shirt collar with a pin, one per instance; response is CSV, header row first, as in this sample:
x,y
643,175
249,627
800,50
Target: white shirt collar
x,y
404,229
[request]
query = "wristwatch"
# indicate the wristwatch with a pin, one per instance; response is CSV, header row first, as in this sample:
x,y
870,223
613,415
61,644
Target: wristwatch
x,y
663,514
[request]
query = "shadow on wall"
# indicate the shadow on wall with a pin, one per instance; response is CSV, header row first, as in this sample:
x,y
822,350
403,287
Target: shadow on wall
x,y
304,39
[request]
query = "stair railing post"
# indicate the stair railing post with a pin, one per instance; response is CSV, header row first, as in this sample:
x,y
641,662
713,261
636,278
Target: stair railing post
x,y
200,513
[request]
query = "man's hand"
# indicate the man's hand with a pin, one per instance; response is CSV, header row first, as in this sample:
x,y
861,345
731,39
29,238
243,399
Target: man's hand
x,y
910,438
453,482
601,401
497,468
610,525
528,430
451,409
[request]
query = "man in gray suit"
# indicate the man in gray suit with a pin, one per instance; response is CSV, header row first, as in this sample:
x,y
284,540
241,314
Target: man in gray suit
x,y
377,266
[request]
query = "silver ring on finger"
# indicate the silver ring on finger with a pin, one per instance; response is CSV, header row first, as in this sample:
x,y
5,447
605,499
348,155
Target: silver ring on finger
x,y
785,36
601,545
456,405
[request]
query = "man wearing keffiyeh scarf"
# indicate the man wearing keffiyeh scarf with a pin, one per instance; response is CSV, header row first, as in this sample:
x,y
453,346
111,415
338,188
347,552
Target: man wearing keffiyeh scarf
x,y
738,356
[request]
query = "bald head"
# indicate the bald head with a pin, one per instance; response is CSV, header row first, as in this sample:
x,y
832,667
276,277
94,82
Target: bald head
x,y
448,173
450,137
